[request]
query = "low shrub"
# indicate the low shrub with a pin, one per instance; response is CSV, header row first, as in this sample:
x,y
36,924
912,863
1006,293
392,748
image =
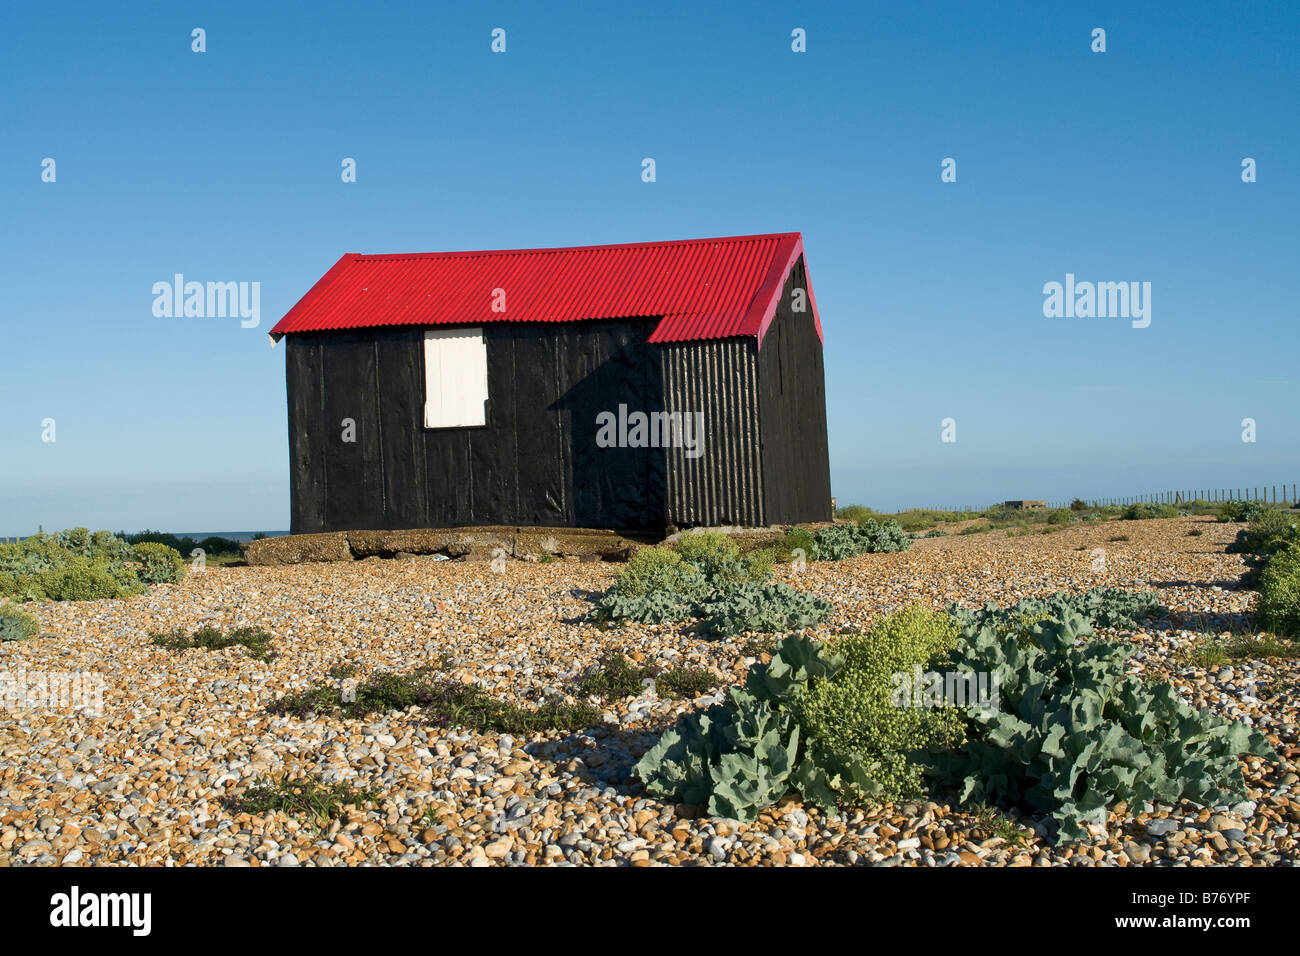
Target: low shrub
x,y
709,551
796,539
1278,607
16,624
319,803
1144,510
855,512
72,565
255,641
78,579
1266,532
159,564
447,704
685,682
657,569
613,676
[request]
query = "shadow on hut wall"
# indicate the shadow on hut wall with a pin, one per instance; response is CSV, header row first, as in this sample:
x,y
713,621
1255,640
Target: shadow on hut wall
x,y
613,486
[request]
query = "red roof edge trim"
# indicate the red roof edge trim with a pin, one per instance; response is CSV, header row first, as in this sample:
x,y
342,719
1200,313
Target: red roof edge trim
x,y
763,310
312,294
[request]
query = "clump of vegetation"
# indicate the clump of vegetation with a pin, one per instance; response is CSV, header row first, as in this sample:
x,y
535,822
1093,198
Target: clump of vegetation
x,y
1144,510
77,565
856,513
1278,608
343,670
216,550
255,641
613,676
1203,653
159,564
1099,607
1268,532
1237,510
869,536
796,540
16,624
1074,733
747,607
447,704
818,719
685,682
1261,647
704,577
853,716
310,799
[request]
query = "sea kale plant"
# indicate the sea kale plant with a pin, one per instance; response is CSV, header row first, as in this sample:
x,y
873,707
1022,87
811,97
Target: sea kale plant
x,y
16,624
1075,733
869,536
704,577
76,565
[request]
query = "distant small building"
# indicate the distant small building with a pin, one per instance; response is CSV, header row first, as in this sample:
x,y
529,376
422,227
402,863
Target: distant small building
x,y
628,386
1025,505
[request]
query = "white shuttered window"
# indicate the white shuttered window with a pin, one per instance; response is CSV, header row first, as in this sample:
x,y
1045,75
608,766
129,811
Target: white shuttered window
x,y
455,378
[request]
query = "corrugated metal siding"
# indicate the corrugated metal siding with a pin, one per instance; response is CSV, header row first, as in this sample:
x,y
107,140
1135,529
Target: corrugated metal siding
x,y
724,485
699,288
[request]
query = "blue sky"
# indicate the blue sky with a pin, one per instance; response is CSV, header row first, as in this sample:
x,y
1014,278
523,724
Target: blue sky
x,y
1115,166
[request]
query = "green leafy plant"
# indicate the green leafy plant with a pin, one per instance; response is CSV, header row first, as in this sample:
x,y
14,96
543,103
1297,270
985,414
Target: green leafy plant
x,y
72,565
448,703
1074,733
1145,510
739,756
685,682
746,607
159,564
310,798
613,676
795,540
853,713
1099,607
255,641
16,624
704,577
1278,607
840,541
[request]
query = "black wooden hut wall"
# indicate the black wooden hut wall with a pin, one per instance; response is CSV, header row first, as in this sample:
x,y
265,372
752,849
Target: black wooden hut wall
x,y
536,462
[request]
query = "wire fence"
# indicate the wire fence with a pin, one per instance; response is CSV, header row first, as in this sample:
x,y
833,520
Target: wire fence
x,y
1270,494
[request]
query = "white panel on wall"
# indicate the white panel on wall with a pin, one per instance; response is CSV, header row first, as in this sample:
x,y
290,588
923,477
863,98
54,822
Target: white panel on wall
x,y
455,378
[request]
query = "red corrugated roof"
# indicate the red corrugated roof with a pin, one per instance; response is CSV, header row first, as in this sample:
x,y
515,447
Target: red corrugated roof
x,y
701,288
